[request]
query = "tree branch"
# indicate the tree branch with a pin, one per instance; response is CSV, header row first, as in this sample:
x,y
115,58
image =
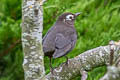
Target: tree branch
x,y
85,61
113,69
32,26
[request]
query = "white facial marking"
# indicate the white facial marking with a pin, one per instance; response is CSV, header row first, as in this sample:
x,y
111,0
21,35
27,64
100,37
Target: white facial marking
x,y
69,17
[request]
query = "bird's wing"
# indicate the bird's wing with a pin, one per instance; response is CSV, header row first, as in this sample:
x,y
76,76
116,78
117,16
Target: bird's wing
x,y
61,41
50,30
62,44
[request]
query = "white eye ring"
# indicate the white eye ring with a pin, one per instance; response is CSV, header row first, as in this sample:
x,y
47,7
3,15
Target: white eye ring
x,y
69,17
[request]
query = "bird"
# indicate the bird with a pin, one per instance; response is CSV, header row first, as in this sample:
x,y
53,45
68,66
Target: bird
x,y
61,37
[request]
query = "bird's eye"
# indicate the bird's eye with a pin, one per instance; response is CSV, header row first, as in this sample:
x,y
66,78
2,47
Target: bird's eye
x,y
69,17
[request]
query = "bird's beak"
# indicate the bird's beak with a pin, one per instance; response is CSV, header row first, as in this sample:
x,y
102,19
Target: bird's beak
x,y
77,14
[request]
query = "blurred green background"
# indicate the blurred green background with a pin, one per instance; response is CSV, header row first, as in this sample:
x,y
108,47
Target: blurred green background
x,y
98,24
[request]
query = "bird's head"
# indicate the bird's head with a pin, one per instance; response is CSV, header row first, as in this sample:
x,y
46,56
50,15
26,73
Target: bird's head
x,y
68,18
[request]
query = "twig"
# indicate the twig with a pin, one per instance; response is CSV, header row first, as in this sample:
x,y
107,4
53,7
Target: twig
x,y
113,70
111,43
10,48
84,75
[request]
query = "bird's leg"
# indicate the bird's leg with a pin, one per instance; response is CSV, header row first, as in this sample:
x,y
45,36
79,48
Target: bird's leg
x,y
66,60
51,68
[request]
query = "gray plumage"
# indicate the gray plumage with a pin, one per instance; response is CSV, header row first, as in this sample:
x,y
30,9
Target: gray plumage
x,y
61,38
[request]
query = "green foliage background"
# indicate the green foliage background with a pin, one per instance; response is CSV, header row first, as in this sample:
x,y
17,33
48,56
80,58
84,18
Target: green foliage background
x,y
98,24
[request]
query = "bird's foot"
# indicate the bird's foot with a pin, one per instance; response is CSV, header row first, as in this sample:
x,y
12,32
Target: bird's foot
x,y
66,63
51,70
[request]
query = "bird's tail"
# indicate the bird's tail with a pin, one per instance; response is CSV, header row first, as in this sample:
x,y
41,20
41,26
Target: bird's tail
x,y
61,52
58,53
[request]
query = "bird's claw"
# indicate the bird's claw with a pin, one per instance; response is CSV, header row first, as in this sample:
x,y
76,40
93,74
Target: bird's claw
x,y
51,70
66,63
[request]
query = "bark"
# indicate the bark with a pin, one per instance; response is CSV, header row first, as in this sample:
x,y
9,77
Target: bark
x,y
113,73
84,62
32,26
113,70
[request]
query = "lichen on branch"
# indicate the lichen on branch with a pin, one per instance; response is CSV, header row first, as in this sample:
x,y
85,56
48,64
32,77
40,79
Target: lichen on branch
x,y
84,62
32,26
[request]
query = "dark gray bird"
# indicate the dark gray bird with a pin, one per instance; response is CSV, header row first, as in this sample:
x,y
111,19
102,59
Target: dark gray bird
x,y
61,38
